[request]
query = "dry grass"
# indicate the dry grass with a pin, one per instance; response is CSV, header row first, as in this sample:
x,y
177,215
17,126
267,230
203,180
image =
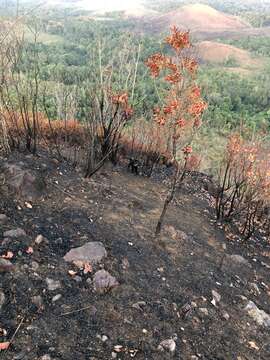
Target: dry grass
x,y
198,17
218,53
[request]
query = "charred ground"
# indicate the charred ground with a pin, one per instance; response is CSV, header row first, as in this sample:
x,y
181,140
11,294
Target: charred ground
x,y
191,258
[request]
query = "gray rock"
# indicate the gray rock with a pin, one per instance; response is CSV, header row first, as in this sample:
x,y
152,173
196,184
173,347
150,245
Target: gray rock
x,y
225,315
254,289
15,233
125,263
104,281
204,311
2,299
168,344
53,284
56,298
236,264
260,316
46,357
6,265
40,239
238,259
92,252
24,183
3,219
216,298
38,301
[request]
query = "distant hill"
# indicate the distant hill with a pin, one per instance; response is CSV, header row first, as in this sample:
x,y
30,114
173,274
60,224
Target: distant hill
x,y
197,18
214,52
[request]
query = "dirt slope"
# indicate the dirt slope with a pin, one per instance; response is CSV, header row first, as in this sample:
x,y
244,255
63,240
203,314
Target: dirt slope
x,y
218,53
198,18
181,269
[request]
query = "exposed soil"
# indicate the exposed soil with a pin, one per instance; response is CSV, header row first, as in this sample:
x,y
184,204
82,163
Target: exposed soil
x,y
214,52
182,267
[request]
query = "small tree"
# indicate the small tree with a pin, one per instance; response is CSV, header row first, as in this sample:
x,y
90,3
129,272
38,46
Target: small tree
x,y
244,184
182,106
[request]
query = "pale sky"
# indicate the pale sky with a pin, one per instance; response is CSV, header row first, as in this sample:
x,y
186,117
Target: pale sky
x,y
110,4
107,5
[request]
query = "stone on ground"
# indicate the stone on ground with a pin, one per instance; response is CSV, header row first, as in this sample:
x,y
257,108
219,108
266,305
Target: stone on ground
x,y
5,265
91,252
24,183
104,281
15,233
260,316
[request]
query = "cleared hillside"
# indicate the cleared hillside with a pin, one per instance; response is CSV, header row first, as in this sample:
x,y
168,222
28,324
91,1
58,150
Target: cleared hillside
x,y
218,53
198,17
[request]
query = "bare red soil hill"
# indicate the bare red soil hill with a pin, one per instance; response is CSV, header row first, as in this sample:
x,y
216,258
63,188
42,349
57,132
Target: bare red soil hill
x,y
198,18
218,53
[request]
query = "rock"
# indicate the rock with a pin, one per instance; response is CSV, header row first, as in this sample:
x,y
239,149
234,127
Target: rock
x,y
6,265
24,183
204,311
260,316
40,239
53,284
186,310
225,315
216,298
254,289
234,264
46,357
56,298
125,264
168,345
238,259
2,299
114,355
3,219
103,338
38,301
15,233
91,252
104,281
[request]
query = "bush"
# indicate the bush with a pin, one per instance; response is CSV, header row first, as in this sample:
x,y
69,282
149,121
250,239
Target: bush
x,y
244,184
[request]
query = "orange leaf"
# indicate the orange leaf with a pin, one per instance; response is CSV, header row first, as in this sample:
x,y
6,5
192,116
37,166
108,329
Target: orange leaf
x,y
30,250
87,268
8,255
4,345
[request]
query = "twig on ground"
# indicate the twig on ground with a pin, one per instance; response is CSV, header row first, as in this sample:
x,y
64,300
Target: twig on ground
x,y
76,311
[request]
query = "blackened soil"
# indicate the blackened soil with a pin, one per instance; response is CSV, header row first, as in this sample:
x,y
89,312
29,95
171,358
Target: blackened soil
x,y
182,267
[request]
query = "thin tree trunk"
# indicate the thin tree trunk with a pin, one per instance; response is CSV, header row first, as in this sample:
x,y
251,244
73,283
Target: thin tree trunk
x,y
167,201
170,196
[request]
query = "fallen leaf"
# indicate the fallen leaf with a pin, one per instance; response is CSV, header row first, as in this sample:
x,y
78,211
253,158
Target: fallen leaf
x,y
4,345
8,255
30,250
72,272
87,268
